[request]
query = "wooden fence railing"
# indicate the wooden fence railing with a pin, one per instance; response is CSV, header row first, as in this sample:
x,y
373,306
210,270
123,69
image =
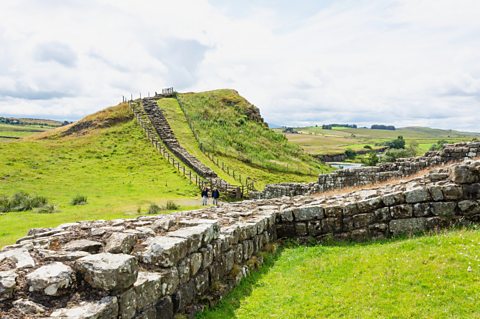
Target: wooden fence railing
x,y
187,172
248,183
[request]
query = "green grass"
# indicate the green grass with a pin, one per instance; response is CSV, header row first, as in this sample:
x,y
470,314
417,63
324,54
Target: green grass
x,y
315,140
229,126
116,168
185,137
8,130
421,277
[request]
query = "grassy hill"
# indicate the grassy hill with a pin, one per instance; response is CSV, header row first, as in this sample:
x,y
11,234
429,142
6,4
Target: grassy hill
x,y
230,127
104,157
316,140
422,277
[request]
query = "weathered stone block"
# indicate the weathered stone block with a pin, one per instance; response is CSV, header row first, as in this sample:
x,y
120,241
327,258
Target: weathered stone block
x,y
165,308
163,251
90,246
120,243
422,209
452,192
382,214
108,271
286,230
184,296
52,280
469,207
8,282
148,290
331,225
20,256
464,174
314,228
363,220
417,196
407,226
301,229
393,199
471,191
106,308
401,211
28,308
333,212
436,193
184,270
308,213
195,263
202,281
170,280
444,208
127,304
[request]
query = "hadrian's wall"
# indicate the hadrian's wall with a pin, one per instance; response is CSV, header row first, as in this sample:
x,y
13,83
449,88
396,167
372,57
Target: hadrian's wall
x,y
375,174
158,266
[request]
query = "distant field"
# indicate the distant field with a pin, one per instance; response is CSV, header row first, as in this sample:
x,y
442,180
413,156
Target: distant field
x,y
8,131
423,277
315,140
116,168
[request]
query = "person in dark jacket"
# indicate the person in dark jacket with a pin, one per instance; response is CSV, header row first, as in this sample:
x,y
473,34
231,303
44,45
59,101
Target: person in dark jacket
x,y
205,197
215,196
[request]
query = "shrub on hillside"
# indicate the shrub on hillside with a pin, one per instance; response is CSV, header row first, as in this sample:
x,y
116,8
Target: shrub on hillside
x,y
398,143
370,159
154,209
20,202
46,209
172,205
438,146
393,154
79,200
350,154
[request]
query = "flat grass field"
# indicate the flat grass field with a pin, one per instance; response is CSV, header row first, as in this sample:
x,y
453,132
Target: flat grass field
x,y
8,131
317,141
434,276
116,168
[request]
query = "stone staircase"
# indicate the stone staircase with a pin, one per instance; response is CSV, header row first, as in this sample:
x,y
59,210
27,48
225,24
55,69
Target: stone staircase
x,y
162,128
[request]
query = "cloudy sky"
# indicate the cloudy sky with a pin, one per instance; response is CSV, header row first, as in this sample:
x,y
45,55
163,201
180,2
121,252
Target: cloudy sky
x,y
412,62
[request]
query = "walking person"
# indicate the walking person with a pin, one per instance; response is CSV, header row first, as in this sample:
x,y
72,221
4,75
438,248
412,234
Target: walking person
x,y
215,196
205,196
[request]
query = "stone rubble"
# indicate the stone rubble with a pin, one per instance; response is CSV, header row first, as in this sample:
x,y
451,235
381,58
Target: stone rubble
x,y
160,266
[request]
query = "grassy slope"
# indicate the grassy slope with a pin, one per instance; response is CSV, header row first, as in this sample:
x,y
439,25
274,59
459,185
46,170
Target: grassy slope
x,y
315,140
116,168
221,120
185,137
423,277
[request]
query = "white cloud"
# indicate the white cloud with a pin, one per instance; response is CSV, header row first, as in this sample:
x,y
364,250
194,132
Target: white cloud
x,y
394,62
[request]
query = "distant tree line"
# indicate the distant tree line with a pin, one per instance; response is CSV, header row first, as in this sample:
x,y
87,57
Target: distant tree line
x,y
331,126
14,121
383,127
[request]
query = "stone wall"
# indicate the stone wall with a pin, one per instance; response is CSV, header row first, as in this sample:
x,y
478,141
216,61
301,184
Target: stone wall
x,y
370,175
158,266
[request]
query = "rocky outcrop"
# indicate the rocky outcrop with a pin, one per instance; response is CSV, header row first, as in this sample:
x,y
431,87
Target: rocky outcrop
x,y
181,262
362,176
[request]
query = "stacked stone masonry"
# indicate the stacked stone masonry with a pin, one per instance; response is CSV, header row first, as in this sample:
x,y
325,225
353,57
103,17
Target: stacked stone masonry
x,y
353,177
158,266
165,132
160,127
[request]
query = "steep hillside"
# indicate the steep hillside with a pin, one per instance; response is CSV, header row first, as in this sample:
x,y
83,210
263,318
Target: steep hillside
x,y
104,157
232,129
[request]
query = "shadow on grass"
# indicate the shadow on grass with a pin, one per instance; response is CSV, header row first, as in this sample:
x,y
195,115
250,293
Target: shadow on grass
x,y
227,306
232,301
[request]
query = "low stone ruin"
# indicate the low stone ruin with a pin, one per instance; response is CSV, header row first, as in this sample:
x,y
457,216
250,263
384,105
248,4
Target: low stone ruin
x,y
158,266
361,176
